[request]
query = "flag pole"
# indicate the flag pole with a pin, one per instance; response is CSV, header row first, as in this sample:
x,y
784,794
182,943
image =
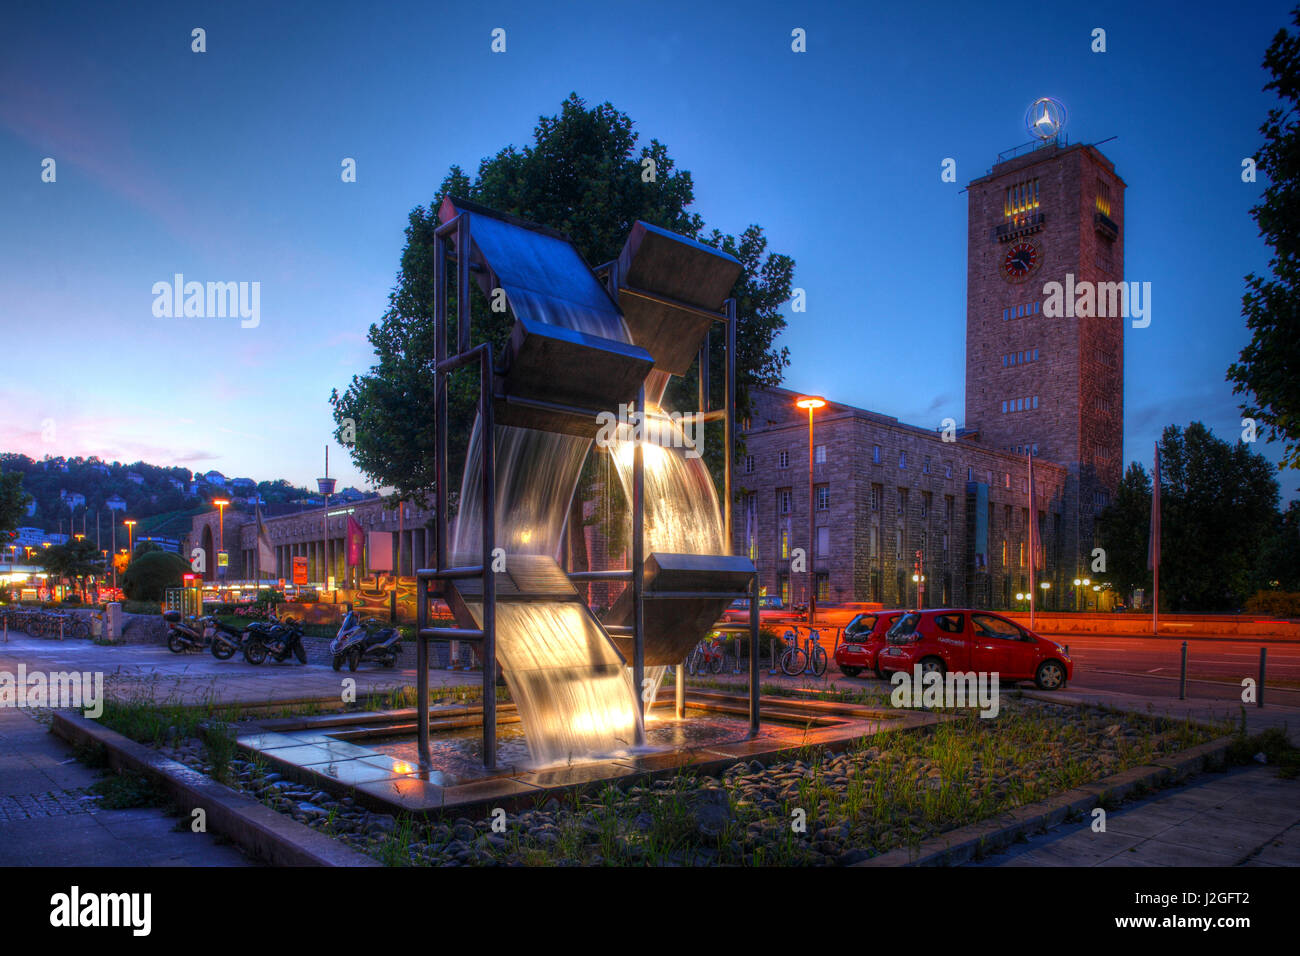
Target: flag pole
x,y
1155,546
1029,533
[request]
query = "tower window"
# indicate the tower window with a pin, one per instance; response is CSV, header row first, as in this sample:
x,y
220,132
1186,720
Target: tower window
x,y
783,459
819,454
875,454
902,459
823,497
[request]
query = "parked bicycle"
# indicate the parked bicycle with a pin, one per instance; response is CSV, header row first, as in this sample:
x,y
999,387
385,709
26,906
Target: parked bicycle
x,y
709,654
799,657
42,623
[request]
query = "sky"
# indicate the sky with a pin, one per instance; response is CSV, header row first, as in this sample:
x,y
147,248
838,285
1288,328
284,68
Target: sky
x,y
224,166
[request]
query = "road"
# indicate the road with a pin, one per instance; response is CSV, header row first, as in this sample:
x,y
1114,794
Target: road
x,y
1215,668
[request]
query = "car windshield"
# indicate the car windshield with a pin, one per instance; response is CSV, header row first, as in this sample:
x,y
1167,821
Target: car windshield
x,y
905,626
860,626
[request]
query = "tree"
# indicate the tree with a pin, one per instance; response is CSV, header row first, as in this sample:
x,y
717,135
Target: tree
x,y
1268,372
582,175
1219,503
73,561
152,573
1279,558
1122,530
13,503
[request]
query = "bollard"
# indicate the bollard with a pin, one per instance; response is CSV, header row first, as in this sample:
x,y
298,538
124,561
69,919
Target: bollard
x,y
1182,675
1263,661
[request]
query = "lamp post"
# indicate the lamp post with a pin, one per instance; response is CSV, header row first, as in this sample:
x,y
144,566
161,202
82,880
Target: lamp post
x,y
919,580
811,402
221,533
326,487
1045,585
130,534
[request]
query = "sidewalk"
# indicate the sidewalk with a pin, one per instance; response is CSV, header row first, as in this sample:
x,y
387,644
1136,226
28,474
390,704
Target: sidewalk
x,y
1247,816
47,818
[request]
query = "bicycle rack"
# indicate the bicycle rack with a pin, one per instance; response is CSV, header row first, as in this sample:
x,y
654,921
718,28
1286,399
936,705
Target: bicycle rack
x,y
675,282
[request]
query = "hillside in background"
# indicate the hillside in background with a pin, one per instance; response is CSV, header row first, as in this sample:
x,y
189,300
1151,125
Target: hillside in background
x,y
163,500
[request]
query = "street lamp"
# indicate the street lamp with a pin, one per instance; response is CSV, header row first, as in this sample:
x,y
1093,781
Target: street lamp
x,y
1045,585
221,532
811,402
130,534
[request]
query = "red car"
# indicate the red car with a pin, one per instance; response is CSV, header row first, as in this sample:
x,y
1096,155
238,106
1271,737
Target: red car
x,y
968,640
863,638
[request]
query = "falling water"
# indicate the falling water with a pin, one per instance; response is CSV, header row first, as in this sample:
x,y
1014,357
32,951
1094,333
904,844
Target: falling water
x,y
574,693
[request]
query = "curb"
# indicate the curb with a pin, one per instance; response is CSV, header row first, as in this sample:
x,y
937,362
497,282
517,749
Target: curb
x,y
979,839
264,833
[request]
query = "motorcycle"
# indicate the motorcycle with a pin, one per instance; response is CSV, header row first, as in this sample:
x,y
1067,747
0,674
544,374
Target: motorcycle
x,y
185,633
226,639
276,639
359,641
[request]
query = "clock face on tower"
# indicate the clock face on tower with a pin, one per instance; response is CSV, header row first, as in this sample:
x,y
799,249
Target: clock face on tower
x,y
1021,259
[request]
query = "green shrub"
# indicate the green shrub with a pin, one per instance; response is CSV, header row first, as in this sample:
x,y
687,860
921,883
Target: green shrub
x,y
149,575
1274,603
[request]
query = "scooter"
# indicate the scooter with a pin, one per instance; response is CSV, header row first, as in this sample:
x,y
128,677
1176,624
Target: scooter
x,y
359,641
277,639
226,639
184,633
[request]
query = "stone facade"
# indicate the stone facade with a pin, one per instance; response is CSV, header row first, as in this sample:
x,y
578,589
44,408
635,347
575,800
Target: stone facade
x,y
1053,384
884,490
305,533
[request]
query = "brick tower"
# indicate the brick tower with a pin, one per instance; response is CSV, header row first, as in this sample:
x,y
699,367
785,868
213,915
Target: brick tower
x,y
1053,385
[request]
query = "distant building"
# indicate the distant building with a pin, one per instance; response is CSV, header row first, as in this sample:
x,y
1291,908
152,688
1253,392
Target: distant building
x,y
36,538
242,483
31,508
215,477
136,477
100,467
72,499
115,503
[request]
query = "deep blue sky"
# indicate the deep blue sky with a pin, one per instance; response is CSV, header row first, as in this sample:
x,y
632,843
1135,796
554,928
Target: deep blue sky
x,y
225,166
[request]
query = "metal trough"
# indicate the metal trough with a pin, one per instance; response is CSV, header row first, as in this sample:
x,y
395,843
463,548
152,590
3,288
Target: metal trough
x,y
531,579
664,281
569,355
674,625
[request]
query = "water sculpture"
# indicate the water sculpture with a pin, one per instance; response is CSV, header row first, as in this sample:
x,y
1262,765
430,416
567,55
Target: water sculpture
x,y
585,346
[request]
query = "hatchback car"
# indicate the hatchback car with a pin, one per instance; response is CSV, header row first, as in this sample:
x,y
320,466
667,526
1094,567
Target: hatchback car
x,y
863,638
967,640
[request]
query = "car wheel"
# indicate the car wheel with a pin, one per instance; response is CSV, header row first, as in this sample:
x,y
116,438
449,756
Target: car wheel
x,y
881,673
1050,675
850,671
932,665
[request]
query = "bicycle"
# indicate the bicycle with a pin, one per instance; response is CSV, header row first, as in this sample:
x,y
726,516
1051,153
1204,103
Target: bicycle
x,y
709,653
797,658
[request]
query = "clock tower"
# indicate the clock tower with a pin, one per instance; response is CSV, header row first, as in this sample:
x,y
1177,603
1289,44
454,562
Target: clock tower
x,y
1048,212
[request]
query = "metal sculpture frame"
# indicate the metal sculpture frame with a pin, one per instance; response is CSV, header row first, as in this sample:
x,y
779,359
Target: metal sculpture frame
x,y
430,581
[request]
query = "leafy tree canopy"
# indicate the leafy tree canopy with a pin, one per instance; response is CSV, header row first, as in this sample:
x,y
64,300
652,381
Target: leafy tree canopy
x,y
581,175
